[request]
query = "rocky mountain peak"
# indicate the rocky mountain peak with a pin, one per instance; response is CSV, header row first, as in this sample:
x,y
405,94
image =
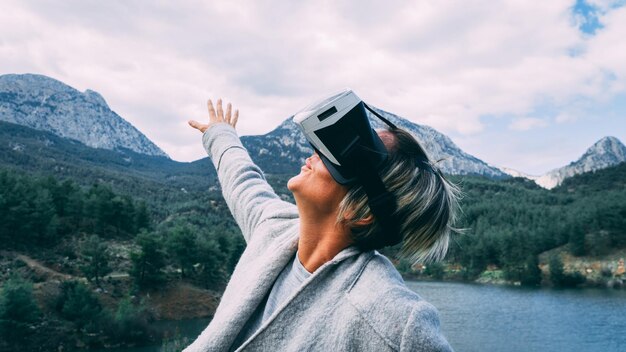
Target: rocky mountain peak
x,y
607,147
606,152
95,98
284,149
46,104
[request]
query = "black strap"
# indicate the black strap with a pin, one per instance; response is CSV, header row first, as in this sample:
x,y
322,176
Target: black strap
x,y
382,203
389,123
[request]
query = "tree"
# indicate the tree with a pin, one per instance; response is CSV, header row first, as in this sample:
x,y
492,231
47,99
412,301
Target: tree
x,y
211,260
77,304
18,310
130,322
531,276
556,270
142,217
560,278
100,208
435,270
70,208
96,257
149,261
577,241
181,246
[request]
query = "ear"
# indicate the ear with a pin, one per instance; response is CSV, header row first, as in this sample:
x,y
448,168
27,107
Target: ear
x,y
366,221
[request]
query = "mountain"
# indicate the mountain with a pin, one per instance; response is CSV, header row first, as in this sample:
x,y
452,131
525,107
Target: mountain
x,y
44,153
516,173
608,151
284,149
46,104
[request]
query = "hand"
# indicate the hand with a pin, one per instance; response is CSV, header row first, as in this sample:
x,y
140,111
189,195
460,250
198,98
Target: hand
x,y
216,117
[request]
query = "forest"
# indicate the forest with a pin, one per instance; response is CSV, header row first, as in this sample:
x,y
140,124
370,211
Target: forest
x,y
130,241
73,228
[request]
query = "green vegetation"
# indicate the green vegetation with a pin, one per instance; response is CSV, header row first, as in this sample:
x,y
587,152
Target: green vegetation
x,y
174,344
559,277
96,256
82,226
39,212
119,227
148,262
531,276
76,303
509,223
130,322
18,311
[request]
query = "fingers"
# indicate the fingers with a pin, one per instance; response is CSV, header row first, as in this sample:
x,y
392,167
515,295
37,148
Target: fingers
x,y
197,125
212,115
216,114
220,112
235,118
227,116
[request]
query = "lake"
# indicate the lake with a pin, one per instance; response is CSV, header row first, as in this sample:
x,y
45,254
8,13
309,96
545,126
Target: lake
x,y
497,318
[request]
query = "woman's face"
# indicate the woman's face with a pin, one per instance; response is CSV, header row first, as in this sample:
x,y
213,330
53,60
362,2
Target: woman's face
x,y
315,187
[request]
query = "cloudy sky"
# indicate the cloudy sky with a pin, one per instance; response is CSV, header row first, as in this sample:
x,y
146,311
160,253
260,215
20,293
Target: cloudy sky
x,y
524,84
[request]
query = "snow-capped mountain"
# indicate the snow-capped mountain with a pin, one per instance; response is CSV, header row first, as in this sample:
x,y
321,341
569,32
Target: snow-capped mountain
x,y
606,152
46,104
284,149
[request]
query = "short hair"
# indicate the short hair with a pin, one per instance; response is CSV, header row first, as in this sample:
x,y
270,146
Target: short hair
x,y
427,203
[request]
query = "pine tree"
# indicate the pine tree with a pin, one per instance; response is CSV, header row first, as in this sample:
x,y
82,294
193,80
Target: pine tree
x,y
96,256
531,275
211,260
557,275
142,217
181,246
149,261
17,310
577,241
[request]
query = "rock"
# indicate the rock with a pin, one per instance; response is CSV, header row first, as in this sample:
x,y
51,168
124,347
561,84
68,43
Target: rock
x,y
46,104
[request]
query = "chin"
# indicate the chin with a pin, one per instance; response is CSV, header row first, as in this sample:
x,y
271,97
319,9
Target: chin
x,y
292,183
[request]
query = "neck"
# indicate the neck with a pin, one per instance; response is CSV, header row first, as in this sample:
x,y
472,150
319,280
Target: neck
x,y
321,239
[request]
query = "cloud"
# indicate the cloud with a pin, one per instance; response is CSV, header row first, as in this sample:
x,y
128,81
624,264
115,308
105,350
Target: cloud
x,y
565,117
437,63
527,123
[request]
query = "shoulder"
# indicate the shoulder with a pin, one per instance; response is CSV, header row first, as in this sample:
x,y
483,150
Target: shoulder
x,y
398,314
277,230
379,284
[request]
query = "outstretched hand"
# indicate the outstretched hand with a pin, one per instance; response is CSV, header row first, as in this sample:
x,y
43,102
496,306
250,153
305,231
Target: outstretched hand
x,y
216,117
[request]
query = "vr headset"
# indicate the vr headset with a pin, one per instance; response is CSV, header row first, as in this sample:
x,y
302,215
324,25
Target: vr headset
x,y
338,128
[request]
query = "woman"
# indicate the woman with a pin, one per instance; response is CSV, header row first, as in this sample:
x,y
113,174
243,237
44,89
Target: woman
x,y
310,278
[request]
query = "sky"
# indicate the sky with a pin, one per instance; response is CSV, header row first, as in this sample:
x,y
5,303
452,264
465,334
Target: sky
x,y
528,85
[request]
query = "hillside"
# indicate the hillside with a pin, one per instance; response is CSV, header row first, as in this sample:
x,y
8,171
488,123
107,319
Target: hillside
x,y
596,181
170,243
607,152
41,152
46,104
284,149
509,224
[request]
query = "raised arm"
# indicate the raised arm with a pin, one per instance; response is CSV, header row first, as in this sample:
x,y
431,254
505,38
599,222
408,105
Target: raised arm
x,y
250,198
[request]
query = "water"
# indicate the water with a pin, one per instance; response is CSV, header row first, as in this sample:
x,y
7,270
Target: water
x,y
183,328
494,318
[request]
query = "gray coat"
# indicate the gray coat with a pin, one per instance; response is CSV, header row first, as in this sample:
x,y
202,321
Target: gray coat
x,y
355,302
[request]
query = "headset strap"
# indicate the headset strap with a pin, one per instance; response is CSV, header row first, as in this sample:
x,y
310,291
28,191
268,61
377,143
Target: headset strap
x,y
381,202
389,123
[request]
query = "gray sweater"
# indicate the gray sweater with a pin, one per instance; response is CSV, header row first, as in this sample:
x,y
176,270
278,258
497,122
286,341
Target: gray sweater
x,y
355,302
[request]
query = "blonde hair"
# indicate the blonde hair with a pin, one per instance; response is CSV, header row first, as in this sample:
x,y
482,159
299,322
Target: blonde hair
x,y
427,204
